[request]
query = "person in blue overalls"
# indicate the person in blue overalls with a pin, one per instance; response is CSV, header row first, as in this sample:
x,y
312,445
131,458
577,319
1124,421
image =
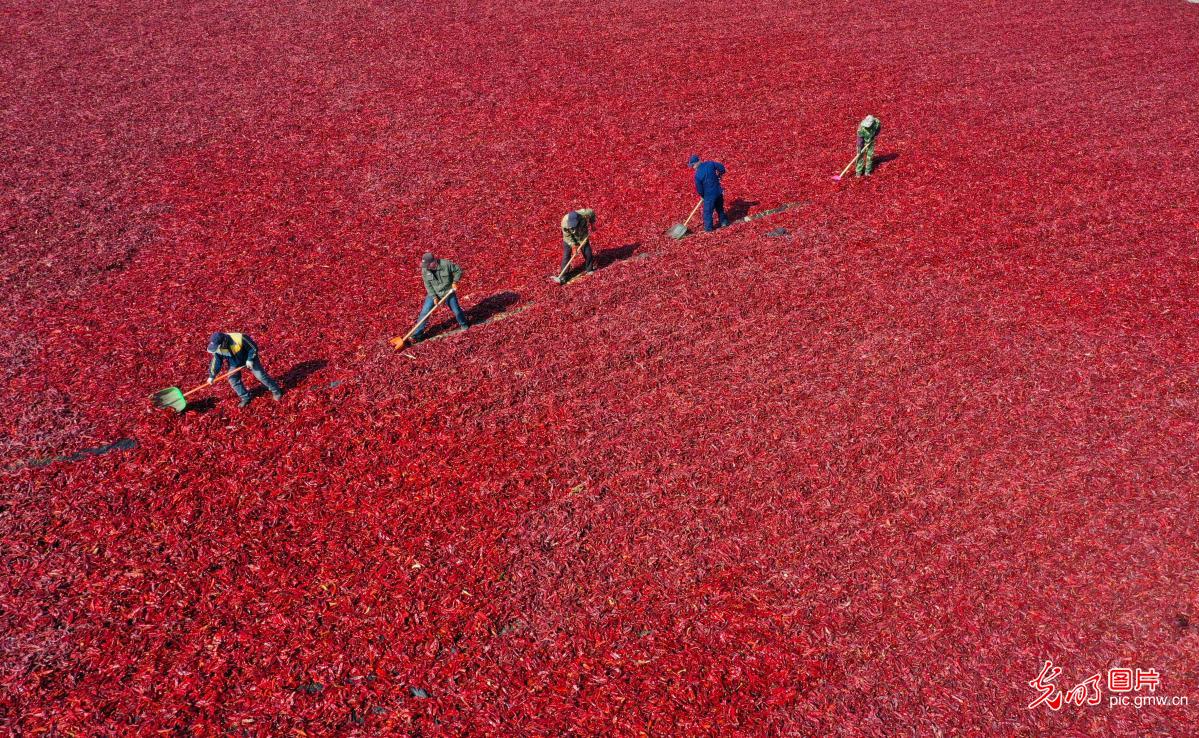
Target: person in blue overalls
x,y
707,186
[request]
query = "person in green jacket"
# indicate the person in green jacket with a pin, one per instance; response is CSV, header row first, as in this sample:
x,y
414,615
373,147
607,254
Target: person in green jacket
x,y
441,277
868,131
576,233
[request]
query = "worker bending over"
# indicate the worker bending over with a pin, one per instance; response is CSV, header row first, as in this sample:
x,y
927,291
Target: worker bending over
x,y
868,131
441,277
239,350
576,235
707,186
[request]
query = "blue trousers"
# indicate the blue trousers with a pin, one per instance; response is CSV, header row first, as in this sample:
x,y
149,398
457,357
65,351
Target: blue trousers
x,y
428,307
256,368
714,204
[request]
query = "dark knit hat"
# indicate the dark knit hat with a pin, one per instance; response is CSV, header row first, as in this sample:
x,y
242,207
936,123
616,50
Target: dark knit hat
x,y
693,160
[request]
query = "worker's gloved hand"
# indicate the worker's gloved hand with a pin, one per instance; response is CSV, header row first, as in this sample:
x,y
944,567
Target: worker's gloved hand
x,y
210,379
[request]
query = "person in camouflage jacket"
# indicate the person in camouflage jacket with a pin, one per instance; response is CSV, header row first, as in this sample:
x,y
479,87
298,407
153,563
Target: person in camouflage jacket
x,y
868,131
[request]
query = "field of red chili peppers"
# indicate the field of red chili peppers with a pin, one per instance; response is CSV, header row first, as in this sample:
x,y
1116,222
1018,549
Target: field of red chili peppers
x,y
857,468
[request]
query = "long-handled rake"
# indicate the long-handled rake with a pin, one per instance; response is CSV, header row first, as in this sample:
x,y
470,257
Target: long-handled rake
x,y
399,343
680,229
176,399
573,253
850,164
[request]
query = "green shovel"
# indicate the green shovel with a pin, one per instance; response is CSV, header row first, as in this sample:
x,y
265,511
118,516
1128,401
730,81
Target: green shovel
x,y
176,399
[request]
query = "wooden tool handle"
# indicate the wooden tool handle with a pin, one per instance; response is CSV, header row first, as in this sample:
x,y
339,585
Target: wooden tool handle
x,y
574,251
851,163
229,373
692,215
420,321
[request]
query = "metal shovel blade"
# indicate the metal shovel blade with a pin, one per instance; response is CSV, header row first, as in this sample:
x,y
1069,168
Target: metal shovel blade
x,y
171,397
678,231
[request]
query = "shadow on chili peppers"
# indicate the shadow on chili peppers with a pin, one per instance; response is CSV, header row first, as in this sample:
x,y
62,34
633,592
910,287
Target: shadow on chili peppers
x,y
608,257
740,208
295,376
123,444
479,313
880,160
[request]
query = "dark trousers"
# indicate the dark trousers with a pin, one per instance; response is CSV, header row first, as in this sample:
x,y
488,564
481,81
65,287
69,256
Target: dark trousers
x,y
714,204
256,368
568,250
428,307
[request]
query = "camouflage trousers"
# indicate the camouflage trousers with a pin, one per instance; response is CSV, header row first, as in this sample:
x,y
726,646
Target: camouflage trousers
x,y
866,160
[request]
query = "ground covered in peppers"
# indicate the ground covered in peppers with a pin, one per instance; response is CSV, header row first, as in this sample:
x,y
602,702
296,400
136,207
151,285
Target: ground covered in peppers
x,y
855,468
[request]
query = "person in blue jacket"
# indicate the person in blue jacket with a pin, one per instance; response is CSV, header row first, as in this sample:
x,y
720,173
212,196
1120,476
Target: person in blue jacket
x,y
707,186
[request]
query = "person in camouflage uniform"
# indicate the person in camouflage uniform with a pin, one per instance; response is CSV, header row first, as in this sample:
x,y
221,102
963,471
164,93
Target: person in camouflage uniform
x,y
868,131
576,233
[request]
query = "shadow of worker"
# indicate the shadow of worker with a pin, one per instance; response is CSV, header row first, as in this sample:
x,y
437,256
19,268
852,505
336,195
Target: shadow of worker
x,y
295,376
740,208
885,158
608,257
490,307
